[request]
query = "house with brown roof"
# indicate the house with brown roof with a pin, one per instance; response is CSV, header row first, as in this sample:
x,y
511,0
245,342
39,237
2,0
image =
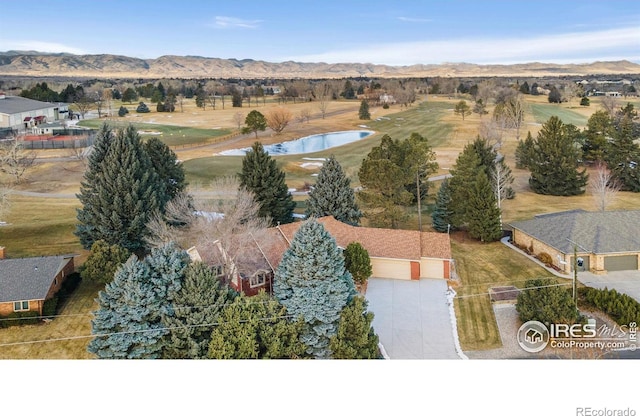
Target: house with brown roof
x,y
395,254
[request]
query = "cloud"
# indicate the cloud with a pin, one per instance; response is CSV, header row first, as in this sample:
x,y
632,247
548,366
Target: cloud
x,y
414,19
622,43
226,22
40,46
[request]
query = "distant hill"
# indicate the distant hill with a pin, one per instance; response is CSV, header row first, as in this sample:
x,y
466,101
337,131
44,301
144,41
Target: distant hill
x,y
32,63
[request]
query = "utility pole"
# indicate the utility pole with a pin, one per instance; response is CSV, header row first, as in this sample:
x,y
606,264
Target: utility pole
x,y
575,269
419,206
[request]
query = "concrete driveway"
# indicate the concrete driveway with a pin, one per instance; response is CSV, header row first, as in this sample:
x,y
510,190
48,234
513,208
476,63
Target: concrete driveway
x,y
412,318
627,281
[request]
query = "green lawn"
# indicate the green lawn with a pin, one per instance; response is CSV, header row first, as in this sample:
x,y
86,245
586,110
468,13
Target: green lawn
x,y
171,135
481,266
424,118
542,113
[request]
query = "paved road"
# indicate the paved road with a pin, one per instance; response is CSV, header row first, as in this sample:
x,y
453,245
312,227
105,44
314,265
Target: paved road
x,y
412,318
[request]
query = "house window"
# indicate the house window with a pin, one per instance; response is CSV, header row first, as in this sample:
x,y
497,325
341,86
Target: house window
x,y
218,270
257,279
21,306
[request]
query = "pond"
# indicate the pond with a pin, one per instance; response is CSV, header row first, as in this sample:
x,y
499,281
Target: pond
x,y
308,144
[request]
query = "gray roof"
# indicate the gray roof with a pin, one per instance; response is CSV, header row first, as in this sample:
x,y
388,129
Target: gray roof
x,y
29,278
594,232
15,105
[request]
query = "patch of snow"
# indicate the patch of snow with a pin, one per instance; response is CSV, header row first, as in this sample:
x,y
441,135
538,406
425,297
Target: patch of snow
x,y
311,165
292,189
324,159
314,174
209,215
454,323
154,133
364,126
301,216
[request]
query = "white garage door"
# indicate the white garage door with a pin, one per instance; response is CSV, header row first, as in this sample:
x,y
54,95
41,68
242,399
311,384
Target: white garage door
x,y
391,269
431,268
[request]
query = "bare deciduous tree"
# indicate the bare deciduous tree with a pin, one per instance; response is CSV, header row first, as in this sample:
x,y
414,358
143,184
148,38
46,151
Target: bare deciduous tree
x,y
5,202
513,111
323,94
304,115
610,104
84,103
15,159
224,224
603,186
239,119
278,118
501,180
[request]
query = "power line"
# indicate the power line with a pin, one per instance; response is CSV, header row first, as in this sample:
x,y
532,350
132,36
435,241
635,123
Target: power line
x,y
143,331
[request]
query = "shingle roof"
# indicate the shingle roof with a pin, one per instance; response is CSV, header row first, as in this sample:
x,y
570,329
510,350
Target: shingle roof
x,y
14,105
379,242
596,232
29,278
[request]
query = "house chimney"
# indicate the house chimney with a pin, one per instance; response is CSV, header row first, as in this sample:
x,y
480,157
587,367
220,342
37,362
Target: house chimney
x,y
1,252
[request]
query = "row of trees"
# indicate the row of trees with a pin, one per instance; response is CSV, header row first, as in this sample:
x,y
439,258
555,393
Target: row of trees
x,y
555,156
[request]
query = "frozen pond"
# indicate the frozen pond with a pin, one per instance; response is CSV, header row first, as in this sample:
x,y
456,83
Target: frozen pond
x,y
308,144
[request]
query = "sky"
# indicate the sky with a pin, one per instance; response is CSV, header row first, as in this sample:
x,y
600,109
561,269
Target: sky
x,y
354,31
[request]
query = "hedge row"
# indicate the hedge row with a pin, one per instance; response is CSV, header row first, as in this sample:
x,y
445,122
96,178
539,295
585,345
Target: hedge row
x,y
620,307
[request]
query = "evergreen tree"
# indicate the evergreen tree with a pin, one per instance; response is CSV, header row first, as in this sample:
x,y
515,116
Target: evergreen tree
x,y
311,281
482,213
544,301
623,156
554,166
256,327
128,323
554,96
103,262
599,130
355,338
255,122
197,307
129,95
332,195
122,111
442,211
261,176
524,152
463,176
363,113
165,163
119,193
142,108
357,262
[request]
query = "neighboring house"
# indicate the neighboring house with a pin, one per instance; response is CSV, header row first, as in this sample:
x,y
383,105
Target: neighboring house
x,y
605,241
395,254
23,114
26,283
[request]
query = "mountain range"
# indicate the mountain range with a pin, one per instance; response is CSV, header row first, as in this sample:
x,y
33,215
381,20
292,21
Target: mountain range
x,y
32,63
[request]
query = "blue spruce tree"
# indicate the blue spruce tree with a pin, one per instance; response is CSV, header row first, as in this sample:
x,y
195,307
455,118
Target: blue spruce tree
x,y
129,321
311,281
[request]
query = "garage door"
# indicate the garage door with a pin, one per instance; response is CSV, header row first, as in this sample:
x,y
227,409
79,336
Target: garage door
x,y
391,269
616,263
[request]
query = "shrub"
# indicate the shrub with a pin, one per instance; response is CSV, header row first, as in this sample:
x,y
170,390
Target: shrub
x,y
385,106
620,307
20,318
530,248
123,111
50,306
545,258
357,262
544,301
585,101
142,108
